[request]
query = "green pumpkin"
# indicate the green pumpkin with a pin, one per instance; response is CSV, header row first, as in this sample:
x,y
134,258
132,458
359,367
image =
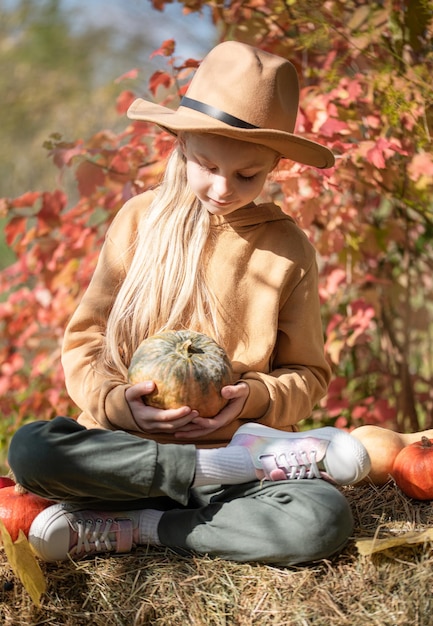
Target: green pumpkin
x,y
188,369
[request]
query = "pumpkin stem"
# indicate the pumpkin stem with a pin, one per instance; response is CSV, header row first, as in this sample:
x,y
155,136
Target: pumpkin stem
x,y
20,489
426,443
186,348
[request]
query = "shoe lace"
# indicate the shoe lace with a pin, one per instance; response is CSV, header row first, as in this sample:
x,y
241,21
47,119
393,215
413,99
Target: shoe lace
x,y
300,465
93,536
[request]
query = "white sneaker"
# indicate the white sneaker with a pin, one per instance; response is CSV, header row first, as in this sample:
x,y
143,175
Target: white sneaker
x,y
328,453
58,532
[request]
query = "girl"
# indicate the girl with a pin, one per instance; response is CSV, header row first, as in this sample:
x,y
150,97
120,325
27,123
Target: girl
x,y
199,253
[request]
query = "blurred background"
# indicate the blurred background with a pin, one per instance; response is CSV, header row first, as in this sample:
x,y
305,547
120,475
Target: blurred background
x,y
59,61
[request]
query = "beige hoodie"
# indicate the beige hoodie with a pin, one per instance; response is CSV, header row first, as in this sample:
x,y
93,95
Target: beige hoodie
x,y
264,270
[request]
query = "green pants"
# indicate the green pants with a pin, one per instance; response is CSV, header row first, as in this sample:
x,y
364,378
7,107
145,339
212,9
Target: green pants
x,y
284,523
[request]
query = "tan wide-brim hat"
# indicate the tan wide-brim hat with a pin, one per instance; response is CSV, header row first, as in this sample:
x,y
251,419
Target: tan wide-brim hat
x,y
244,93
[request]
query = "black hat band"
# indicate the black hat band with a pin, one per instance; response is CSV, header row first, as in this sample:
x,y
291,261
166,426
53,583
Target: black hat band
x,y
226,118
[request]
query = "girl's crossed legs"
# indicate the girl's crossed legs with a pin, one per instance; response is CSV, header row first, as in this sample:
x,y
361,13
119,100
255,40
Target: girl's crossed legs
x,y
116,490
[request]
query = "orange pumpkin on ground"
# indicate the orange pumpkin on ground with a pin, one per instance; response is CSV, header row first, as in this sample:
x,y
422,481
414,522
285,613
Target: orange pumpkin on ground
x,y
18,510
383,446
413,469
188,369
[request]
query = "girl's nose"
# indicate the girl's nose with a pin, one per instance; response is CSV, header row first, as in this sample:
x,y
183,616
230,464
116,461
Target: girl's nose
x,y
221,186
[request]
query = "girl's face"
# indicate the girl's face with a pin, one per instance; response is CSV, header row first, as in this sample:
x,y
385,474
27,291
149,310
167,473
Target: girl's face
x,y
225,174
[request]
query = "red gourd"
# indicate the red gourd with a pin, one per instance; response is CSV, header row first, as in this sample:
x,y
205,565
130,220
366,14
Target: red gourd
x,y
18,509
413,469
188,369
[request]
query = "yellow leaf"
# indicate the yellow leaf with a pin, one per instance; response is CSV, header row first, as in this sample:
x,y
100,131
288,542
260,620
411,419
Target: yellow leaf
x,y
24,564
368,546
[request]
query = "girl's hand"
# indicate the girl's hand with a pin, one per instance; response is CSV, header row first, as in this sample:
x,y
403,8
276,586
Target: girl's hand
x,y
201,426
152,420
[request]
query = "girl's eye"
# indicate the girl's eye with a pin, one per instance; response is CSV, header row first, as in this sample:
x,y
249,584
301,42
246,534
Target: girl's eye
x,y
247,178
207,168
212,169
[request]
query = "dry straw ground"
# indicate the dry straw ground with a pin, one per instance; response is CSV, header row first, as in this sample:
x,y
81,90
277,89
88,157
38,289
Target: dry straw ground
x,y
159,588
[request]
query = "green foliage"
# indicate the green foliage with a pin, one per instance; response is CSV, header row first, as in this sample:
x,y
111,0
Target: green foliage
x,y
365,72
52,78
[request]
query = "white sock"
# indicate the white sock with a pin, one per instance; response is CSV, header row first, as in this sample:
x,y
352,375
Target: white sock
x,y
223,466
149,520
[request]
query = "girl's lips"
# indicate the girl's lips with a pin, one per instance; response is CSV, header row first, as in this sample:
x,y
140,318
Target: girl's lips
x,y
220,204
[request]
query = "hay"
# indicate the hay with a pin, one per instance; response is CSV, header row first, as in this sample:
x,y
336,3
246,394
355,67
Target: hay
x,y
157,587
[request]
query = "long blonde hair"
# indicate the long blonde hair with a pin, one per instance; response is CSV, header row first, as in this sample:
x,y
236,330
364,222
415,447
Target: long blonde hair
x,y
165,286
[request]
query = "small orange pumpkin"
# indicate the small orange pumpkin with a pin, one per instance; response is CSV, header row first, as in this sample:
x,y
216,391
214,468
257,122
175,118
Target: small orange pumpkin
x,y
413,469
18,510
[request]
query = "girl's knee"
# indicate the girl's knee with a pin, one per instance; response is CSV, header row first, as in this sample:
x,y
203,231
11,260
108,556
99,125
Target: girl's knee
x,y
284,523
306,521
32,450
316,522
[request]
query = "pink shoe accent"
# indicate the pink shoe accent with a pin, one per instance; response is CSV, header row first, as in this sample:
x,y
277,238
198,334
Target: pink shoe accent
x,y
277,474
